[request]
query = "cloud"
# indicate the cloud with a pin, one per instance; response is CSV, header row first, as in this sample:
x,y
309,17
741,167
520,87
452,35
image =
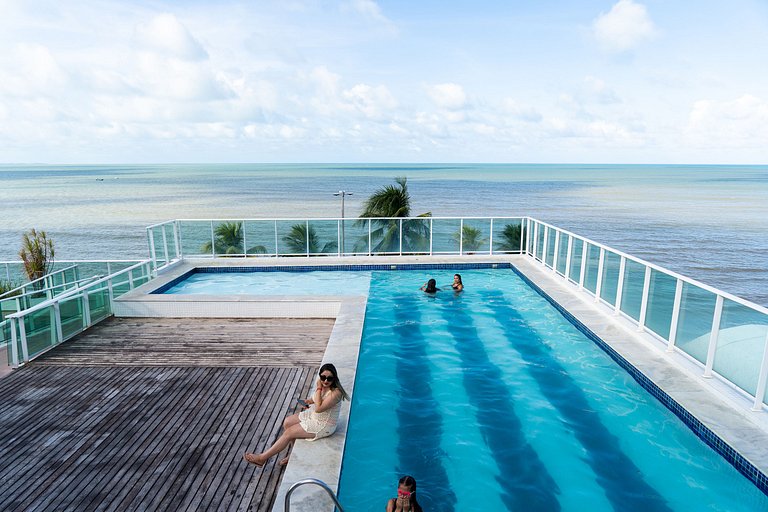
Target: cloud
x,y
373,102
624,27
516,110
448,96
742,122
164,34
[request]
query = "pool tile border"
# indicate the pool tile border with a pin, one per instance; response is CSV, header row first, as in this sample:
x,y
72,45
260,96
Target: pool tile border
x,y
742,465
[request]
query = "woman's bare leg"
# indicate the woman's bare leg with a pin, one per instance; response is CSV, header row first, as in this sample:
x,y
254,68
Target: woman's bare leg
x,y
292,433
290,421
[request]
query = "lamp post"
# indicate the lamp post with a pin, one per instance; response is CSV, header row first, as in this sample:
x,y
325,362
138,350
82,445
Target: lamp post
x,y
343,194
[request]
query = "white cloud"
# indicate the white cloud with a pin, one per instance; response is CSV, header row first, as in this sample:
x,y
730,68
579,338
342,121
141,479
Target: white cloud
x,y
166,35
373,102
742,122
624,27
516,110
448,96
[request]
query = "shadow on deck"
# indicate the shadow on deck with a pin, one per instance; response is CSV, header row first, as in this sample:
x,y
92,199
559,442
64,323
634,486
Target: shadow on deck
x,y
154,414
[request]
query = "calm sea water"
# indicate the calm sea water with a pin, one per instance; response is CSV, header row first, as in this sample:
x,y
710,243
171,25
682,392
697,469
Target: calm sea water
x,y
707,222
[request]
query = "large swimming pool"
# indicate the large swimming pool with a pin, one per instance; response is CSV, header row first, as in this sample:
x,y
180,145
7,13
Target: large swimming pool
x,y
493,401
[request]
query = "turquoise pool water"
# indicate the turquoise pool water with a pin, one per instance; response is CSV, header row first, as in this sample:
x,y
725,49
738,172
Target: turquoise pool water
x,y
493,401
274,283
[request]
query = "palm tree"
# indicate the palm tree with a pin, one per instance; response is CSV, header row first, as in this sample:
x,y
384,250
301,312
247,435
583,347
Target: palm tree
x,y
471,239
37,254
387,203
510,238
228,239
296,239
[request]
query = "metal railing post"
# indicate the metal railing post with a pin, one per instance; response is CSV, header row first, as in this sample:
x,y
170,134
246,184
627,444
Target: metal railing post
x,y
431,235
675,316
23,340
14,343
86,310
644,300
151,240
490,248
401,237
306,227
600,266
213,242
620,286
556,254
130,279
369,237
713,337
177,238
57,318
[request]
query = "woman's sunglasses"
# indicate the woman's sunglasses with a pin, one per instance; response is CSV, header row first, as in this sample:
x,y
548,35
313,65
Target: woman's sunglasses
x,y
404,494
328,378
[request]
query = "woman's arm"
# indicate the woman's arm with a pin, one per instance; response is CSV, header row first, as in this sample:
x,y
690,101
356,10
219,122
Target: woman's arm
x,y
391,505
329,401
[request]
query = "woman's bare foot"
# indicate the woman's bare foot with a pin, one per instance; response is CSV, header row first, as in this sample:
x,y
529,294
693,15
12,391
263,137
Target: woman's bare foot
x,y
254,459
283,461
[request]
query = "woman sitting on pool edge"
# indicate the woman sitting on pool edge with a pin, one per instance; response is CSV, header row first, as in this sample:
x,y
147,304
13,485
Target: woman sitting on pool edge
x,y
315,422
430,287
457,285
406,497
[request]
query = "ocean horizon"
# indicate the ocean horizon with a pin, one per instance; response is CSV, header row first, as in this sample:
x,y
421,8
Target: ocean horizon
x,y
707,222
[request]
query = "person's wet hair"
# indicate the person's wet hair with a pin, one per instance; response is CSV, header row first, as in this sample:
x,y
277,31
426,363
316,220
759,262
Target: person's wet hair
x,y
410,482
431,286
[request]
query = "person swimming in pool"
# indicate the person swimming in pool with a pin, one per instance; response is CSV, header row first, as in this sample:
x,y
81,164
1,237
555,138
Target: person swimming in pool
x,y
457,285
314,422
406,497
430,287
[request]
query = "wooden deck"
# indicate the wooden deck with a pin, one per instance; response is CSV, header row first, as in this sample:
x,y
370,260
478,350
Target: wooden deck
x,y
208,342
114,430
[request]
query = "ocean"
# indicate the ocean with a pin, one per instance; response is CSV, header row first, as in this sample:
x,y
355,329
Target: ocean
x,y
706,222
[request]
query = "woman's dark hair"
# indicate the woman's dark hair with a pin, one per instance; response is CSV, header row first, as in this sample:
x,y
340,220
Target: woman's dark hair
x,y
459,276
328,367
431,286
410,482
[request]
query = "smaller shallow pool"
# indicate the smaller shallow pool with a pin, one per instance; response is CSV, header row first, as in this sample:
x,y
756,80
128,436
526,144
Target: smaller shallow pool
x,y
272,283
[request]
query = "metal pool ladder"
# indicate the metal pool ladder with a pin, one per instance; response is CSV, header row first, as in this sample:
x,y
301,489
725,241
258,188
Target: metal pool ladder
x,y
314,481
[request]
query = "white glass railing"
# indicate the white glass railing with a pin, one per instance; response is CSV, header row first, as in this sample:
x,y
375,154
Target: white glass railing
x,y
195,238
35,330
56,279
724,335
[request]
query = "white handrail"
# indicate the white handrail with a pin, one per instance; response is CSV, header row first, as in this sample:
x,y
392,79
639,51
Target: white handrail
x,y
75,291
30,283
313,481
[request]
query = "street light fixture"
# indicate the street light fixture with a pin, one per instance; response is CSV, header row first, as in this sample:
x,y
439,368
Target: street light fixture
x,y
343,194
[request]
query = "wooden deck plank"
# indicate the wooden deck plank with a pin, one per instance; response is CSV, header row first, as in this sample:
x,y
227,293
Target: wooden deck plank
x,y
154,414
195,342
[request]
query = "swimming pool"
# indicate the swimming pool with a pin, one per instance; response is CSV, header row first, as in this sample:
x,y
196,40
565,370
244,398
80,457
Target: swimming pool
x,y
492,400
265,283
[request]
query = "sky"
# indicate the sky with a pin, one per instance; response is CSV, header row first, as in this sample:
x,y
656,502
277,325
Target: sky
x,y
545,81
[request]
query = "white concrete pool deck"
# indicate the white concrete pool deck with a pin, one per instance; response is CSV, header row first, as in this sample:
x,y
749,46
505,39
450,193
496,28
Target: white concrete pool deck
x,y
717,405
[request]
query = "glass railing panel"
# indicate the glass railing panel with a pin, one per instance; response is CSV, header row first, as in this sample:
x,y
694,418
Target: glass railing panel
x,y
476,236
7,307
740,345
661,300
71,316
196,239
540,242
385,236
416,236
5,336
98,304
507,235
593,263
529,237
168,228
355,233
562,253
228,238
694,324
632,289
576,253
259,237
157,236
551,239
443,236
323,237
120,286
39,327
610,280
292,238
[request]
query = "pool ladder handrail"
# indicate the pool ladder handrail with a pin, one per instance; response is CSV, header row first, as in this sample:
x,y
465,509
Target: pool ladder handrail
x,y
314,481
